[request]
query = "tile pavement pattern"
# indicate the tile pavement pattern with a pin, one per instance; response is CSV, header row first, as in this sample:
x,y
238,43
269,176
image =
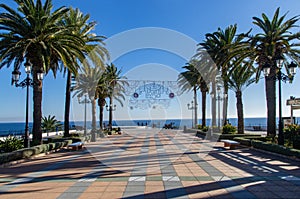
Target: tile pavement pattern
x,y
153,164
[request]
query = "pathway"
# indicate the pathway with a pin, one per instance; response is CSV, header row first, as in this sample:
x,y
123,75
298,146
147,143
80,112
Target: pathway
x,y
153,164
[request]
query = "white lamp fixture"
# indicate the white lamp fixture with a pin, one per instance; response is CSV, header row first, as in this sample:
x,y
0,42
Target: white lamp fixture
x,y
292,68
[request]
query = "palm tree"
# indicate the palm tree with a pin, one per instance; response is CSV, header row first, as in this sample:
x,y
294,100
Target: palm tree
x,y
238,79
191,79
207,69
275,40
115,83
223,46
87,83
50,124
33,33
82,28
102,94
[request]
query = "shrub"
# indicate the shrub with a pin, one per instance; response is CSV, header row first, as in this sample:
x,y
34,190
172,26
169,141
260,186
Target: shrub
x,y
275,148
296,142
11,143
291,132
51,146
67,142
203,128
228,129
29,152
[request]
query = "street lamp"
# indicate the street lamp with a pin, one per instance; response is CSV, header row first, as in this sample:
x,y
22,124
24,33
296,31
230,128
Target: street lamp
x,y
219,99
191,107
110,108
26,83
281,77
84,101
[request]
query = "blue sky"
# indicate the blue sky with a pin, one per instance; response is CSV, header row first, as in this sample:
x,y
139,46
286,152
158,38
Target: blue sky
x,y
192,18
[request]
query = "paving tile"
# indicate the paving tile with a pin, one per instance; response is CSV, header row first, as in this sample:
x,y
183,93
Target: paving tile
x,y
171,167
153,188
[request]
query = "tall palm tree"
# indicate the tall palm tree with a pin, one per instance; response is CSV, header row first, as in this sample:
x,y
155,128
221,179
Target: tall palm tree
x,y
116,87
33,33
191,79
87,83
80,26
207,69
276,39
102,94
223,46
238,79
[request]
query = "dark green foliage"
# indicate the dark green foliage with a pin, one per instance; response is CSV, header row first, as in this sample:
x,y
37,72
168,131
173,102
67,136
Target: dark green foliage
x,y
50,124
203,128
275,148
11,143
243,141
29,152
231,136
296,142
291,133
228,129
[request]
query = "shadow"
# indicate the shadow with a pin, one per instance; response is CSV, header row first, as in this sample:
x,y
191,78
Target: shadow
x,y
21,192
207,189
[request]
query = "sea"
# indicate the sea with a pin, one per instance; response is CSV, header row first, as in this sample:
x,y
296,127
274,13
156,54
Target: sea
x,y
17,128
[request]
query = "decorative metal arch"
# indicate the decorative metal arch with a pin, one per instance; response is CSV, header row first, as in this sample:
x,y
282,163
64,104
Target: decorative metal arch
x,y
145,94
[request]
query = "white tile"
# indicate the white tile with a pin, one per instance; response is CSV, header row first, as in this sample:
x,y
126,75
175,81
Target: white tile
x,y
137,179
171,178
87,180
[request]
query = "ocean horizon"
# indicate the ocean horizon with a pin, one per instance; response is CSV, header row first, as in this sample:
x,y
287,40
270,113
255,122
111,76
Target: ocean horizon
x,y
17,128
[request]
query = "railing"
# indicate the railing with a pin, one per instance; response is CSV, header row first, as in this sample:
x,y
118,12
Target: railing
x,y
18,133
256,128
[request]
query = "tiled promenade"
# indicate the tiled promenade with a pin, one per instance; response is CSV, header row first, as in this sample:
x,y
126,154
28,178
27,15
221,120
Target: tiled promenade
x,y
153,164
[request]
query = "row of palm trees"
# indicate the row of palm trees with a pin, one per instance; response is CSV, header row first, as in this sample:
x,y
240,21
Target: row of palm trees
x,y
234,61
99,84
58,40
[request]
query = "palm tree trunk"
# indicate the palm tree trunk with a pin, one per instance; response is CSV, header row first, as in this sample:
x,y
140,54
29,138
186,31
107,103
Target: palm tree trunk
x,y
270,86
240,111
67,105
37,109
101,104
225,104
93,101
101,117
196,107
203,108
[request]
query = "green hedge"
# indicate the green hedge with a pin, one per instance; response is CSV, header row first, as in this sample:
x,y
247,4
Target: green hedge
x,y
243,141
29,152
232,136
73,139
276,148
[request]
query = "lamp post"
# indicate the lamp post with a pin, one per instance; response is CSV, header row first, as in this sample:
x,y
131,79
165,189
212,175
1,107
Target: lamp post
x,y
26,83
110,108
219,98
84,101
281,77
191,107
219,101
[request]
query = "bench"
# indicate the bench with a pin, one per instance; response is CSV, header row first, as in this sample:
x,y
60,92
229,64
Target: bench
x,y
76,145
230,143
